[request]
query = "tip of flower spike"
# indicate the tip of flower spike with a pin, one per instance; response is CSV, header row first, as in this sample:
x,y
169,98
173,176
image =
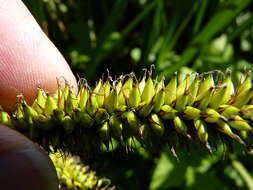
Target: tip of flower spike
x,y
109,78
209,148
228,71
173,151
188,136
221,117
152,67
66,82
238,139
82,83
120,78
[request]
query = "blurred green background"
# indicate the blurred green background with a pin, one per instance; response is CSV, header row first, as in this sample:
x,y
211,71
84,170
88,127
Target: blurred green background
x,y
183,36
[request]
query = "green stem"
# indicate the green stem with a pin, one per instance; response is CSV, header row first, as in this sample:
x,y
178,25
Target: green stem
x,y
239,167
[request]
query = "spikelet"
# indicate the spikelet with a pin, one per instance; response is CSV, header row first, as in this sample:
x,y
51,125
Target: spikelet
x,y
129,113
74,175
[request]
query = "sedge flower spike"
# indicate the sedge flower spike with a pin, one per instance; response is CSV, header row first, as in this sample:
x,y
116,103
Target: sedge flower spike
x,y
147,113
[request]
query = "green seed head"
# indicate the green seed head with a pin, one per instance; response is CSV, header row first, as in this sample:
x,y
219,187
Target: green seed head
x,y
149,113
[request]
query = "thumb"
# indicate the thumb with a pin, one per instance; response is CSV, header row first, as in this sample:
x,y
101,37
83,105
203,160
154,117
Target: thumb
x,y
23,165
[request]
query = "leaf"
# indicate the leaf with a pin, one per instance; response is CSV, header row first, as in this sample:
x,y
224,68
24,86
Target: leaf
x,y
103,53
244,173
163,169
218,22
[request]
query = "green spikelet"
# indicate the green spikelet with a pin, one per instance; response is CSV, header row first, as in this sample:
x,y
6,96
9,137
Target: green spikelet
x,y
242,87
148,91
206,99
182,87
132,123
128,85
111,102
142,83
239,123
60,100
39,103
104,133
159,99
41,98
200,127
92,105
243,92
211,115
154,114
202,133
205,85
101,115
182,101
246,111
167,112
145,109
99,93
5,119
222,95
181,127
192,113
68,124
17,119
74,175
83,97
134,97
71,102
50,106
29,113
171,90
193,90
66,91
116,127
159,85
228,110
156,124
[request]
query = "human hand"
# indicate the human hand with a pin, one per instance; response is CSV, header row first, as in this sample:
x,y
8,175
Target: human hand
x,y
27,59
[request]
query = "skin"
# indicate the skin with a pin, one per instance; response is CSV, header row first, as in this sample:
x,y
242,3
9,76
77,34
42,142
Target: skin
x,y
24,165
27,59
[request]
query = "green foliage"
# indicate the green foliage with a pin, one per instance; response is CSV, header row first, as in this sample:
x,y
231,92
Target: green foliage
x,y
159,32
197,172
182,35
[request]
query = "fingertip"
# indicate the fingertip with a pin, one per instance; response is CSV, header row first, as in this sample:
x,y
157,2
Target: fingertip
x,y
27,57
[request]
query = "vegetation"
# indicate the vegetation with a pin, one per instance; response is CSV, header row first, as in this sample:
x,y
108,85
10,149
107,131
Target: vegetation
x,y
183,36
